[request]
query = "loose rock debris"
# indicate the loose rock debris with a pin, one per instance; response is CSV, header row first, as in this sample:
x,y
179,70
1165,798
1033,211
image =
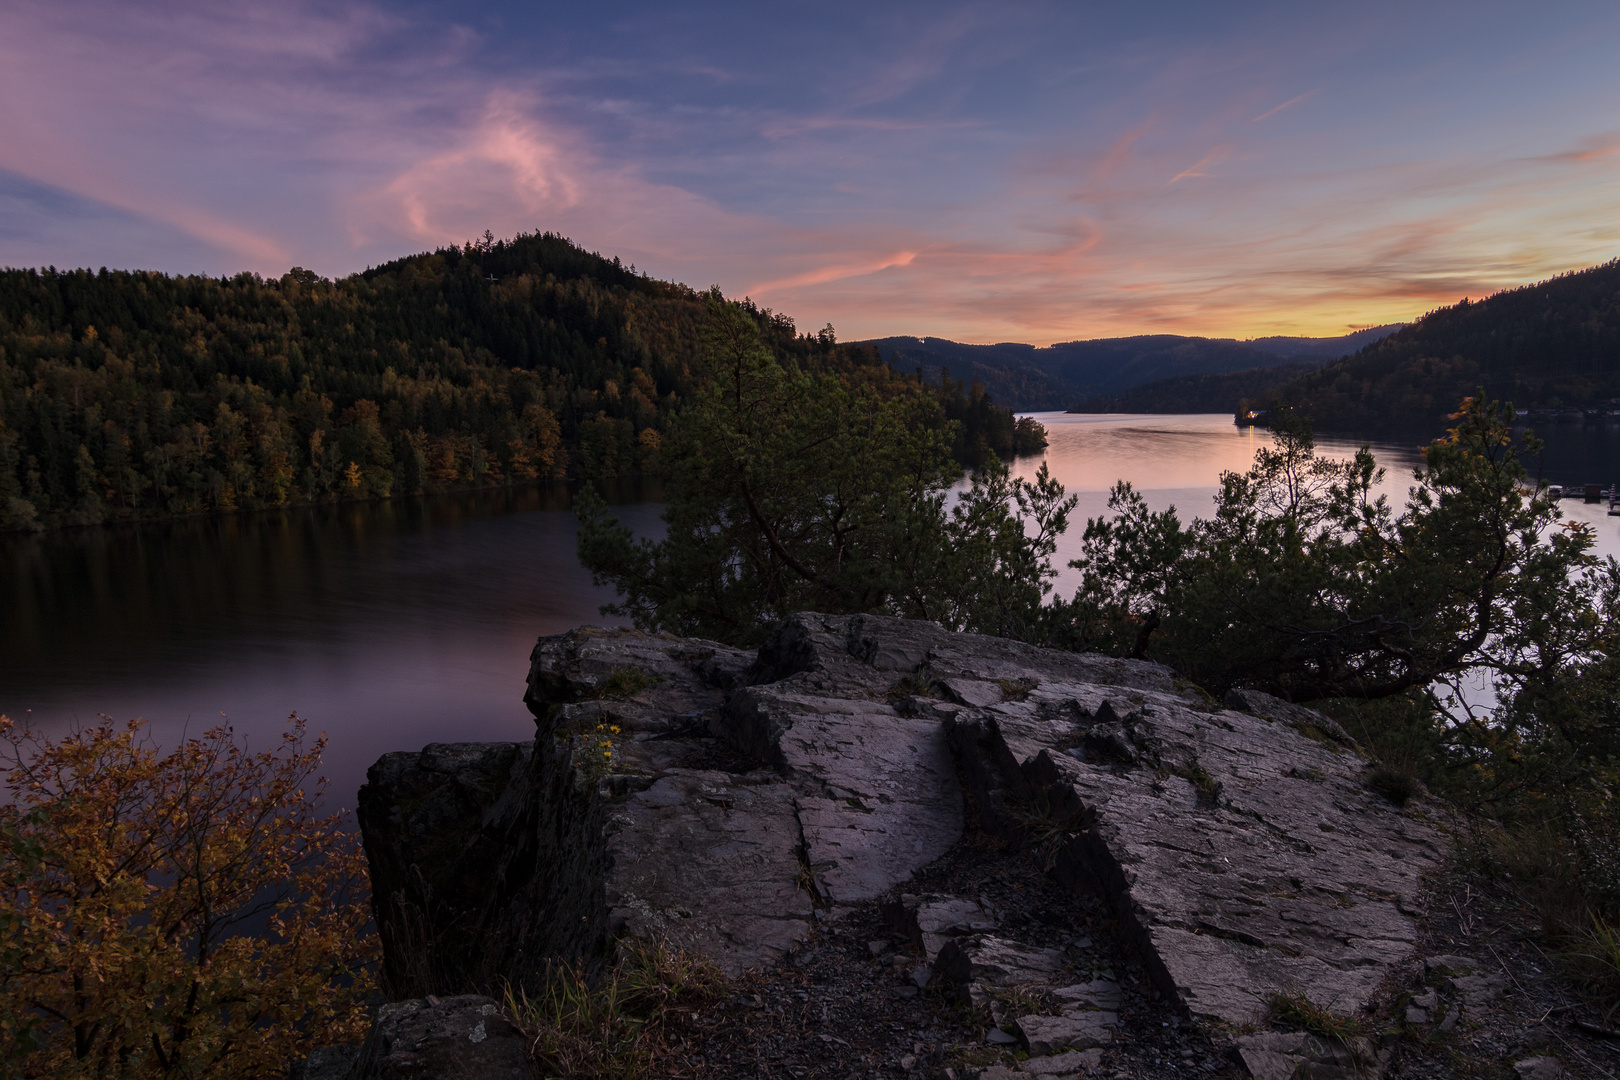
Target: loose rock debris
x,y
846,1003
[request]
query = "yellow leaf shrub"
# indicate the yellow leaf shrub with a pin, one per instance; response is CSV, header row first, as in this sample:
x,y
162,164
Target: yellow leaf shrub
x,y
182,913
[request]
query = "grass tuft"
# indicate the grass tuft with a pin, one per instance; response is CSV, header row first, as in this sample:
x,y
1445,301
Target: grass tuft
x,y
1298,1011
1399,786
1593,961
1017,689
611,1027
622,682
1195,773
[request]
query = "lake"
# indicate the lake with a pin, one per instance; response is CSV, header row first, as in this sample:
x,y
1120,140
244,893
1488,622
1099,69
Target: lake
x,y
390,625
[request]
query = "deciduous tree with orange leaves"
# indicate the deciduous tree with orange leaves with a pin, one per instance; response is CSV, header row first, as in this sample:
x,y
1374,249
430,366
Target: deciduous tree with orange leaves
x,y
188,912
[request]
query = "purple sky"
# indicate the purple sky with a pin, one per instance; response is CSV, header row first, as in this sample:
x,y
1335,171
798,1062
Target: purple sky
x,y
1031,172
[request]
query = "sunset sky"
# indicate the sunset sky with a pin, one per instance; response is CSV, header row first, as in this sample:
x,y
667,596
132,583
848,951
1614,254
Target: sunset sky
x,y
987,172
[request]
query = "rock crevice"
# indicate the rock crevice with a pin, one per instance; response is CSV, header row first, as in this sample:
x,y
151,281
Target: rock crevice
x,y
753,792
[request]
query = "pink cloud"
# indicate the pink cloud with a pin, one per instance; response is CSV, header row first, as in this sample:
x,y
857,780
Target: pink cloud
x,y
823,274
508,164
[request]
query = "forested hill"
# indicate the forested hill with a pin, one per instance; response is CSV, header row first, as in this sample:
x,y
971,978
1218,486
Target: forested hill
x,y
1552,345
1219,392
1057,376
140,395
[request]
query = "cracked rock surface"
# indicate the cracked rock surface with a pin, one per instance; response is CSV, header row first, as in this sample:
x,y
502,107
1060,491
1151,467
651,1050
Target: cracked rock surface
x,y
1242,848
754,796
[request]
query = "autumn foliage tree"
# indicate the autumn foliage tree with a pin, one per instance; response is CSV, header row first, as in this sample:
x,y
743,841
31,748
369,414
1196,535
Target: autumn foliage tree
x,y
181,913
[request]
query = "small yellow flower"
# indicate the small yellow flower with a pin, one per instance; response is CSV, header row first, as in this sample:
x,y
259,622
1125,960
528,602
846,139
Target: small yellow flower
x,y
607,753
614,729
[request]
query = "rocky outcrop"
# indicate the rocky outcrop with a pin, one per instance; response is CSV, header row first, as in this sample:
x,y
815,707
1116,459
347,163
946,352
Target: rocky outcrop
x,y
457,1038
825,792
1248,857
748,794
486,863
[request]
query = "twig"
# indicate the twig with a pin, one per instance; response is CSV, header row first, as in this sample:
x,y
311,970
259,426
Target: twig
x,y
1582,1053
1507,969
1559,1009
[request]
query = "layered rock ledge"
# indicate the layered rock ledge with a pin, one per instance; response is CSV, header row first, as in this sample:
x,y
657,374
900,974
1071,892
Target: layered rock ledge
x,y
753,793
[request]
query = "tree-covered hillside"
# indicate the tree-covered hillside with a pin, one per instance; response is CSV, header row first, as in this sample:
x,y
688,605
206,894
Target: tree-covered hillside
x,y
1218,392
1551,345
1058,376
138,395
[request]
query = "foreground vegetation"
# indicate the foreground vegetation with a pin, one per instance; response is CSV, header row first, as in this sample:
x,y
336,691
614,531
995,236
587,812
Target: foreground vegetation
x,y
130,396
188,913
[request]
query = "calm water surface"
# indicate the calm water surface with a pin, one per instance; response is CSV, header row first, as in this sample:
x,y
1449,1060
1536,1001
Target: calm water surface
x,y
395,624
1177,461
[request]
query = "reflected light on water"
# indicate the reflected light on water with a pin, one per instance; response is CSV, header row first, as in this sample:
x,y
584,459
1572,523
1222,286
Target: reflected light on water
x,y
1178,461
390,625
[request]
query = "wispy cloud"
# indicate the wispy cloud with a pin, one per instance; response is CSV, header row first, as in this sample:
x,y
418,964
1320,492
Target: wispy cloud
x,y
1290,103
985,178
507,160
1593,148
836,272
1208,161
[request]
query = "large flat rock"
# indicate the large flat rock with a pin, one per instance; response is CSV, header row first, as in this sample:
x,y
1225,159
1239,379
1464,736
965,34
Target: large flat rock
x,y
1240,846
709,861
1249,857
832,796
878,795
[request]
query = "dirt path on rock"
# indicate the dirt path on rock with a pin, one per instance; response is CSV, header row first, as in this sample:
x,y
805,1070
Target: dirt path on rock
x,y
844,1006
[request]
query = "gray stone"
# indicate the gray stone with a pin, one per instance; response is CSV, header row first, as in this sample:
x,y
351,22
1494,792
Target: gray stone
x,y
1416,1015
1478,991
1044,1035
1307,722
929,921
1240,849
975,692
920,975
993,961
486,861
996,1037
1097,994
1276,870
1450,965
653,684
1075,1061
1272,1055
998,1072
707,861
1540,1067
454,1038
879,798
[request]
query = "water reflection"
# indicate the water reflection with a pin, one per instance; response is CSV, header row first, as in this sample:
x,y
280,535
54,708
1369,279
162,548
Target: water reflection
x,y
388,625
1178,460
395,624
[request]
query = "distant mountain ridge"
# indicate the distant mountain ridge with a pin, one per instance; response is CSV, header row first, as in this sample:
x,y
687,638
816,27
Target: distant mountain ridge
x,y
1552,345
1060,375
